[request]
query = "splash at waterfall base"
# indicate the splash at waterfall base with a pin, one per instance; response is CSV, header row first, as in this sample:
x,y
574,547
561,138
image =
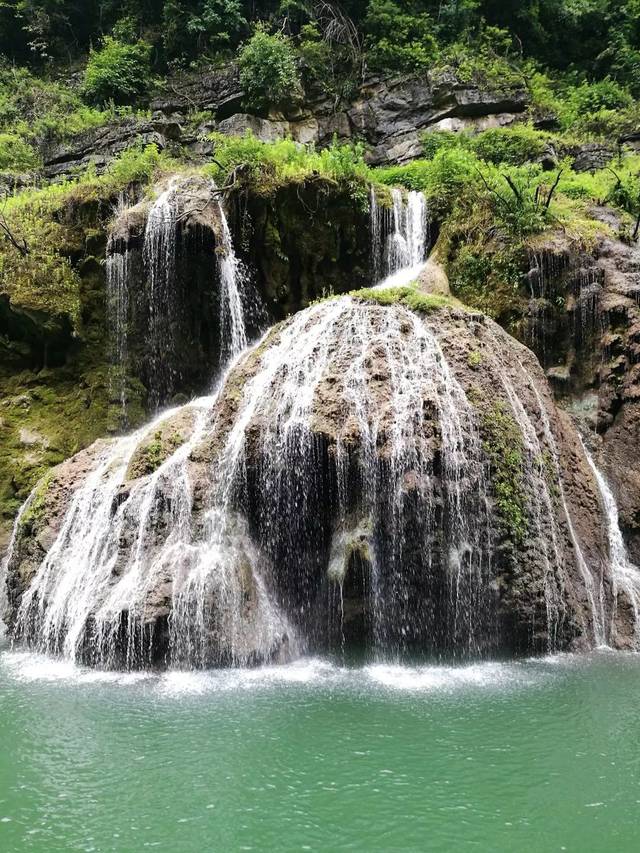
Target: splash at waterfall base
x,y
365,476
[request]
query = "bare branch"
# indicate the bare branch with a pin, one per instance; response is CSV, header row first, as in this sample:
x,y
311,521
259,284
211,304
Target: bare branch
x,y
490,188
18,243
514,189
552,190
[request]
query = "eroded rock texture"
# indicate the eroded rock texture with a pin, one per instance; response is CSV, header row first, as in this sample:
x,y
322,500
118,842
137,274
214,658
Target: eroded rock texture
x,y
366,475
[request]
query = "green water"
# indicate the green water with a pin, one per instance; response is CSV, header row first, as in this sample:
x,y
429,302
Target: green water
x,y
534,756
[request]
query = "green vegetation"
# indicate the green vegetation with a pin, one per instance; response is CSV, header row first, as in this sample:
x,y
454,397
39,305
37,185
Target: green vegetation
x,y
475,359
35,112
16,154
579,59
266,166
36,268
153,451
117,72
497,203
208,27
268,70
399,39
410,296
502,443
35,513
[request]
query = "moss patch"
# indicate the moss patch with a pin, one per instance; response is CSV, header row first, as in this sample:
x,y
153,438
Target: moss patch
x,y
411,297
502,442
160,444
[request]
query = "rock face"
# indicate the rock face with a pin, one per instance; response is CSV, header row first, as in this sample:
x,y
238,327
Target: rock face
x,y
300,241
179,296
388,114
590,349
98,147
366,473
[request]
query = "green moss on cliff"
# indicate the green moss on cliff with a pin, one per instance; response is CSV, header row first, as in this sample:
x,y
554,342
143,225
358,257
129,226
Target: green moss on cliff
x,y
34,514
410,296
502,442
47,231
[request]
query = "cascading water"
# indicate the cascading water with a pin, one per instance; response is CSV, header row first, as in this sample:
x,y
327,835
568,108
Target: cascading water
x,y
624,574
92,589
422,488
595,592
337,477
160,310
542,514
399,237
390,482
118,278
233,333
159,254
4,565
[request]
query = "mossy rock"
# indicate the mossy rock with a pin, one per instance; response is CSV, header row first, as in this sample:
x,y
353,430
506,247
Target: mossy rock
x,y
160,443
503,444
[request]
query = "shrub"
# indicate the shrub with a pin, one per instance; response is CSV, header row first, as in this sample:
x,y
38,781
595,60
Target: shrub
x,y
269,165
209,26
119,72
38,110
514,145
315,55
269,70
442,179
485,60
604,95
16,154
398,40
434,141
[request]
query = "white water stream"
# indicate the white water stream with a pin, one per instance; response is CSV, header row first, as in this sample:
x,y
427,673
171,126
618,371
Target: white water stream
x,y
399,238
174,561
624,574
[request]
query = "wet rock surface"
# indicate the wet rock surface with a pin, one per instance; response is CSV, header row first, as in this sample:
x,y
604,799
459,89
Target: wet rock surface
x,y
264,542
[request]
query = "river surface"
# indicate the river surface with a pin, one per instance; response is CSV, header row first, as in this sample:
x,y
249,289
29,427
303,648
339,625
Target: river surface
x,y
538,755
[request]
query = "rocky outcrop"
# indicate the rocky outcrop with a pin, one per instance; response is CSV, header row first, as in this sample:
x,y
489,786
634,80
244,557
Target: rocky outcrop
x,y
293,242
592,156
98,147
391,115
388,114
327,494
583,322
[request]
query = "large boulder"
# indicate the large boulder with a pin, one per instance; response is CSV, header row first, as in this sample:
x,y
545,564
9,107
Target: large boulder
x,y
396,479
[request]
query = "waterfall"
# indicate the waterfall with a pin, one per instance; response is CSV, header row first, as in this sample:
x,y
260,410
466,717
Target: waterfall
x,y
394,462
233,333
159,254
337,469
4,564
624,574
88,583
164,319
422,497
118,274
542,513
595,596
399,237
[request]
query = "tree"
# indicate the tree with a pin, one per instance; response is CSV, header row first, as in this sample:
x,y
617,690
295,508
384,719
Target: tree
x,y
269,71
117,71
399,39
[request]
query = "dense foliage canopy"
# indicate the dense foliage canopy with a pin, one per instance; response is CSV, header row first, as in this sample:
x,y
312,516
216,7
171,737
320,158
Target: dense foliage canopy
x,y
596,38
